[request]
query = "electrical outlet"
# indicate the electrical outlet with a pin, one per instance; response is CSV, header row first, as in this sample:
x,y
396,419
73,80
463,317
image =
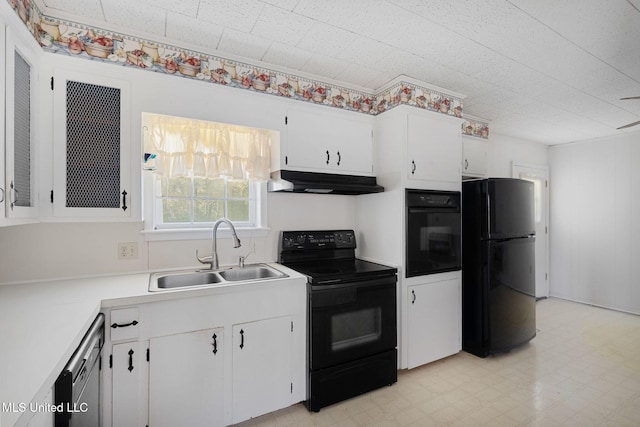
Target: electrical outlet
x,y
127,250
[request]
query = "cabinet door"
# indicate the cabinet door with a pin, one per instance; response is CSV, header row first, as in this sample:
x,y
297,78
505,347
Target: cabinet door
x,y
3,188
186,379
434,321
434,148
21,104
262,373
92,163
474,162
330,142
129,379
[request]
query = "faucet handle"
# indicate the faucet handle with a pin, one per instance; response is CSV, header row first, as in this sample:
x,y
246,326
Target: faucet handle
x,y
205,259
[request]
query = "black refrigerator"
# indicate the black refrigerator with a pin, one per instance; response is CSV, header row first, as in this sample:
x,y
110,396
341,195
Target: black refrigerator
x,y
498,265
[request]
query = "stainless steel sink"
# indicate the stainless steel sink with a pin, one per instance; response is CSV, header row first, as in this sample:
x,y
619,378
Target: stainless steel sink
x,y
250,272
196,278
173,280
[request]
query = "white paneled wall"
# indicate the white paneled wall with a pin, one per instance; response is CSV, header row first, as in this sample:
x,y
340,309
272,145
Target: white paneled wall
x,y
595,232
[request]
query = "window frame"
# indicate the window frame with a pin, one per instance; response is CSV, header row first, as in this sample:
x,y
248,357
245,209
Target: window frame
x,y
195,231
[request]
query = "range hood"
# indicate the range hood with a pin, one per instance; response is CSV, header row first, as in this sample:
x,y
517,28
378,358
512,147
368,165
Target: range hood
x,y
322,183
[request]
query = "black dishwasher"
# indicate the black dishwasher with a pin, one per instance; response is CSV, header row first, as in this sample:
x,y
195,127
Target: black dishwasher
x,y
77,389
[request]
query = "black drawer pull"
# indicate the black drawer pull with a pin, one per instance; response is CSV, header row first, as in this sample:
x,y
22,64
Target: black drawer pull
x,y
115,325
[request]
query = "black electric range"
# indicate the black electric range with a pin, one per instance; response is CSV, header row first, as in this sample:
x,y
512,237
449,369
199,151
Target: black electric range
x,y
327,257
352,332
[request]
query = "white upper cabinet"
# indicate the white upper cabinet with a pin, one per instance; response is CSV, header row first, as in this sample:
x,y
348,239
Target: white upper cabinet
x,y
338,142
475,153
21,100
91,147
433,147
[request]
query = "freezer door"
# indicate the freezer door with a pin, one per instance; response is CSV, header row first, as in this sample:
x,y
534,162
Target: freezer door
x,y
510,208
511,293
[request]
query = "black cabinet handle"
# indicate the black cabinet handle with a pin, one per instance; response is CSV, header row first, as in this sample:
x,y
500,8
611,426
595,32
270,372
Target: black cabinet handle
x,y
241,338
13,195
339,158
413,292
413,167
124,200
116,325
328,156
466,164
215,343
130,360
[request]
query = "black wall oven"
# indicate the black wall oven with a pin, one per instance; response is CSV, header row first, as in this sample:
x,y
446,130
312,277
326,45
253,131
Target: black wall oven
x,y
433,232
352,333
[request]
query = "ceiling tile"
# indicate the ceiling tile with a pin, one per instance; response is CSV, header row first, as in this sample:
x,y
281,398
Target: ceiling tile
x,y
192,31
138,16
373,18
183,7
321,65
240,15
283,4
327,40
286,56
88,8
596,26
368,77
279,25
241,44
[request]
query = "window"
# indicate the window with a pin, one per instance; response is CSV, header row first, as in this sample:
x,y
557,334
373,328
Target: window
x,y
197,202
197,172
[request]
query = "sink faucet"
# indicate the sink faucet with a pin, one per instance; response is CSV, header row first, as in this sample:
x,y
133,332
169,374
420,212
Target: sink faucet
x,y
213,259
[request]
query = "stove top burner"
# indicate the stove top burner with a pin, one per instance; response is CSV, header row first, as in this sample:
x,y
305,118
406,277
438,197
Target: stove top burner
x,y
344,271
327,257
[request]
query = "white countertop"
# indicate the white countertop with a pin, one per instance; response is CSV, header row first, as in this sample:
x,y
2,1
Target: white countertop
x,y
41,324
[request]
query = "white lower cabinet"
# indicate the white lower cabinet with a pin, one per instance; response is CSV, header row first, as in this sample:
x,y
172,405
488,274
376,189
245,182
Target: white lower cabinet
x,y
434,321
262,373
186,379
211,360
129,372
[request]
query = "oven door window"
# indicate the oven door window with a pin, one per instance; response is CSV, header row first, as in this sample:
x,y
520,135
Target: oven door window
x,y
433,241
351,322
356,328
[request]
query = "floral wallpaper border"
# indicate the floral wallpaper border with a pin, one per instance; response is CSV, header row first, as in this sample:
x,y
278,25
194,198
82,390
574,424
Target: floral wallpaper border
x,y
476,128
74,39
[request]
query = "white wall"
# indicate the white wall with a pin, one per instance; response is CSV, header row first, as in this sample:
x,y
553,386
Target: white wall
x,y
47,251
595,232
504,150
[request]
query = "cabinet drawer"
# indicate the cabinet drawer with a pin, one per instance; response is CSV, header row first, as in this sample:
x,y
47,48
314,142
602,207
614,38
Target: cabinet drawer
x,y
124,324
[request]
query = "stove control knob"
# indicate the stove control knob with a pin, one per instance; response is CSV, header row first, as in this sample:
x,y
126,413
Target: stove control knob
x,y
300,238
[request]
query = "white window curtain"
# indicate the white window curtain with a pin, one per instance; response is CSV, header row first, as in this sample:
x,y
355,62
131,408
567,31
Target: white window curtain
x,y
179,147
